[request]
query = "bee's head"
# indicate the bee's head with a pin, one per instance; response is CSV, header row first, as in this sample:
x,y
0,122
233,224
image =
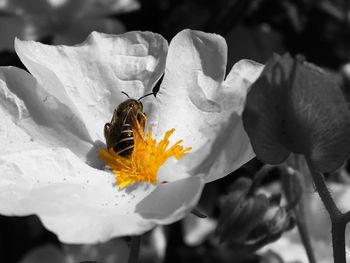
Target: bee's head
x,y
129,105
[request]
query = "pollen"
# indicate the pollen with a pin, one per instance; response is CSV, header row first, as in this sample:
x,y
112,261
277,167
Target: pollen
x,y
146,159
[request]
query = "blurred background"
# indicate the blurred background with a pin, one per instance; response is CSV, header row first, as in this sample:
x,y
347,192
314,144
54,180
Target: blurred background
x,y
253,29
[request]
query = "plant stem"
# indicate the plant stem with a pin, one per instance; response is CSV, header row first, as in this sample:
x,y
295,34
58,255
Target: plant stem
x,y
324,193
338,240
338,219
134,249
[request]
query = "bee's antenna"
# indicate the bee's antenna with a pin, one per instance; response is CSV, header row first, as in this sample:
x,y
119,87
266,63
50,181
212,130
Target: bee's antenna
x,y
126,94
152,93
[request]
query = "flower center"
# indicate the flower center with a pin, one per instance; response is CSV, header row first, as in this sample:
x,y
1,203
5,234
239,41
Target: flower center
x,y
146,159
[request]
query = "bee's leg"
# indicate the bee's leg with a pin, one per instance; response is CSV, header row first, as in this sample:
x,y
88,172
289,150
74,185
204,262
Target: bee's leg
x,y
142,119
106,129
139,127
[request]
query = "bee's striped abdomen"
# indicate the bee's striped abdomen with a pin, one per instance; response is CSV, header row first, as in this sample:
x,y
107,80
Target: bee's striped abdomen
x,y
125,144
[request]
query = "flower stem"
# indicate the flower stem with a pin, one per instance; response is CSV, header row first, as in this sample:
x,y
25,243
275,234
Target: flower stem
x,y
325,194
338,240
338,219
134,249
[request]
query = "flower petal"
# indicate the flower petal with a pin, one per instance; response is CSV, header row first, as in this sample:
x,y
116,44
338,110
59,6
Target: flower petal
x,y
166,171
204,109
64,192
31,118
170,202
89,78
78,203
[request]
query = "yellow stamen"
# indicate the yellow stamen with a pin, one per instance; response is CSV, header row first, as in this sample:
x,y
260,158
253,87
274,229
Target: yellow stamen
x,y
146,159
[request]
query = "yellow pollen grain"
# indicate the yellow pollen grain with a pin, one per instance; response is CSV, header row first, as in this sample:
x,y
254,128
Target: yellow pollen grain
x,y
146,159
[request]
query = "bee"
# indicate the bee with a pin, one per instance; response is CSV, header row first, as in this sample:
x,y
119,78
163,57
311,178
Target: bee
x,y
119,133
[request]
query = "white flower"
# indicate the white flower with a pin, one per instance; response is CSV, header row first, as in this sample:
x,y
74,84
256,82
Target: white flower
x,y
65,21
52,128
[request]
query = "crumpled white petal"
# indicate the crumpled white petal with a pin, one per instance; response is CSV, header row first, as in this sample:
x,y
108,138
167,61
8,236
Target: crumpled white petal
x,y
89,78
170,202
82,204
79,203
31,118
204,108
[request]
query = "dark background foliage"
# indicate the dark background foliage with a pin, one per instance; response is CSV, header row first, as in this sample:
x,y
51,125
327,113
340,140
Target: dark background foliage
x,y
253,29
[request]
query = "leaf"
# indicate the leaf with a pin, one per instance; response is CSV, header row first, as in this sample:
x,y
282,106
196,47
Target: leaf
x,y
294,106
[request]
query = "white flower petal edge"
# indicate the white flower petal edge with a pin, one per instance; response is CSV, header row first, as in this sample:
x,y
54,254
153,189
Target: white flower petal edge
x,y
31,118
78,203
204,108
89,78
82,204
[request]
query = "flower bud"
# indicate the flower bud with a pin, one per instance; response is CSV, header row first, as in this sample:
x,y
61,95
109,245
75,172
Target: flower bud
x,y
252,219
